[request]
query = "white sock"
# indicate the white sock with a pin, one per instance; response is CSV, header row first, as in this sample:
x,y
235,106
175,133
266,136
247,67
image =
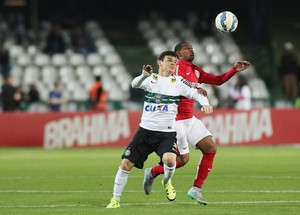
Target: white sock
x,y
169,172
120,182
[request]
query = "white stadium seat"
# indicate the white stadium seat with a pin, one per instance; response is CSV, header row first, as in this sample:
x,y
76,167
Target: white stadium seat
x,y
59,59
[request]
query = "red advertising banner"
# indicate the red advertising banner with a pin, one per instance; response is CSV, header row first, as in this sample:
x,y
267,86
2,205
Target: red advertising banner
x,y
68,130
116,128
258,126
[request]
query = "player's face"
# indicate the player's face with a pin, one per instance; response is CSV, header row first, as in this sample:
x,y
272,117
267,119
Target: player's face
x,y
168,64
186,53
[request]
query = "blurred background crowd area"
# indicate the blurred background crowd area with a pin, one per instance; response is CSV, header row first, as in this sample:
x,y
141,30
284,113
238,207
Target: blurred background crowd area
x,y
67,42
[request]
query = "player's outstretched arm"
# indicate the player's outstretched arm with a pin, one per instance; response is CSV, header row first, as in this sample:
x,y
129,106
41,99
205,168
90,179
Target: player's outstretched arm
x,y
147,70
209,78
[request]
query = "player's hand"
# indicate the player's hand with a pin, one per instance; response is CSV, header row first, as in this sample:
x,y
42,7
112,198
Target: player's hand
x,y
202,91
241,65
148,69
207,109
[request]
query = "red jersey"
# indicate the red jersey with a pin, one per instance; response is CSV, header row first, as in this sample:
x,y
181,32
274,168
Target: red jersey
x,y
195,75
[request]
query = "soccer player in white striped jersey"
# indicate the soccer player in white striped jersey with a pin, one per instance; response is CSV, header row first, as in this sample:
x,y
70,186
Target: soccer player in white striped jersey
x,y
156,131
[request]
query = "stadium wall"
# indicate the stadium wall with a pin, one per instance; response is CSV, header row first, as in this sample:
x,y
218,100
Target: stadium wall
x,y
116,128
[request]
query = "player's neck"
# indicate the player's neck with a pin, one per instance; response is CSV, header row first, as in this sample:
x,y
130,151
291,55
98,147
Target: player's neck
x,y
164,73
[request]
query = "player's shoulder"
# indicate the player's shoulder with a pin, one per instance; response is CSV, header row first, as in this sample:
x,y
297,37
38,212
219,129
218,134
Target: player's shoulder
x,y
182,80
154,76
175,78
182,63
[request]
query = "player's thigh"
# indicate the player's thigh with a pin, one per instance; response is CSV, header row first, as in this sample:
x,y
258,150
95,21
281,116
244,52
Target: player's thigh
x,y
181,127
138,150
197,131
167,144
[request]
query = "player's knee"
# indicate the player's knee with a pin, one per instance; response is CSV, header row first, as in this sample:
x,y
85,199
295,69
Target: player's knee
x,y
212,147
207,145
183,159
169,159
126,164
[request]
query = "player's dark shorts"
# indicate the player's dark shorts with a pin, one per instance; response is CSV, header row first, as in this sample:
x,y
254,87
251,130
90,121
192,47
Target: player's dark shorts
x,y
145,142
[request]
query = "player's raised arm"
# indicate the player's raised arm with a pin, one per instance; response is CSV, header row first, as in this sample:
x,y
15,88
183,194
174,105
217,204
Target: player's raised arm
x,y
193,93
146,72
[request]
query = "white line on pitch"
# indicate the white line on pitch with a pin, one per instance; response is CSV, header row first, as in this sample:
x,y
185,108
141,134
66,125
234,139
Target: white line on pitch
x,y
141,191
149,203
135,176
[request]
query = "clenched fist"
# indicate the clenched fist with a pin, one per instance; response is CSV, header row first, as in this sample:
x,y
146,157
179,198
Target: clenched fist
x,y
241,65
207,109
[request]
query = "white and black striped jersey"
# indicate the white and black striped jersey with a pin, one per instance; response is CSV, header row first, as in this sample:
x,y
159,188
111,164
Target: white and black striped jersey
x,y
162,95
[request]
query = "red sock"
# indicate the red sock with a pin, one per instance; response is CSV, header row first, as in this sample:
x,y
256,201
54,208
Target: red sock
x,y
159,169
204,168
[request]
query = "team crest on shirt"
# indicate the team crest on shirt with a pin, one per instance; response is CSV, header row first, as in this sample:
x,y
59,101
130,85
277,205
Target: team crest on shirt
x,y
197,73
173,80
155,77
127,152
157,98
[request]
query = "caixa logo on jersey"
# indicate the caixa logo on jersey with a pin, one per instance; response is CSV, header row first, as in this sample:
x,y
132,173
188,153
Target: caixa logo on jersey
x,y
153,108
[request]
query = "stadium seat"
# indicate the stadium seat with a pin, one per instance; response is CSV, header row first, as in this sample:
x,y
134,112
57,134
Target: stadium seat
x,y
258,88
177,24
171,42
31,75
24,60
80,94
32,50
217,58
232,58
94,59
76,59
104,48
161,25
168,33
211,68
201,59
149,34
85,75
159,49
66,74
49,74
91,25
17,73
154,42
100,70
112,58
15,51
97,33
186,34
144,25
41,59
59,60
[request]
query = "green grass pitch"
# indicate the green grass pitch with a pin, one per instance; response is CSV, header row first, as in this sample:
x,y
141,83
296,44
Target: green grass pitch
x,y
244,180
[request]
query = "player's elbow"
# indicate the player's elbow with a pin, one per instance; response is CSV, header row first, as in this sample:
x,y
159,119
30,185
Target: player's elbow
x,y
133,85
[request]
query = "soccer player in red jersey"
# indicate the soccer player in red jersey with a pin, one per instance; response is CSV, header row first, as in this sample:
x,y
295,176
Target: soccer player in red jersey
x,y
191,130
